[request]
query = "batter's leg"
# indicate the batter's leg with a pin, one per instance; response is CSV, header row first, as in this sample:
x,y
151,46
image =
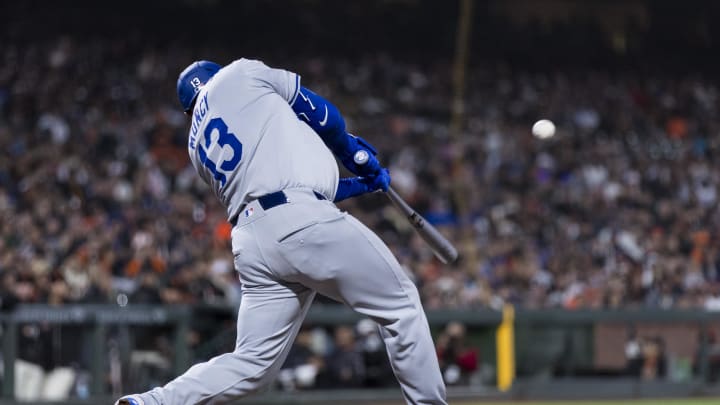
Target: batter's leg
x,y
268,321
344,260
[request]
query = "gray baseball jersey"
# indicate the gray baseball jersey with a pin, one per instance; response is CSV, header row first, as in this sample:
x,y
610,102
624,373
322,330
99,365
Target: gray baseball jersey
x,y
245,141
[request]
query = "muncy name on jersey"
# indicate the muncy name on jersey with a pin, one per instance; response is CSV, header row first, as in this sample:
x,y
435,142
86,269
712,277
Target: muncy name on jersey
x,y
198,115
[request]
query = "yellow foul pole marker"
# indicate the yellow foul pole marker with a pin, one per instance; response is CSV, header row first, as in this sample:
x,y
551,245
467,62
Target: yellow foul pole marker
x,y
505,341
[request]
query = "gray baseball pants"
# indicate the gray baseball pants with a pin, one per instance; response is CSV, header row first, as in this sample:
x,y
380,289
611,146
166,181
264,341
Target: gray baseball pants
x,y
284,256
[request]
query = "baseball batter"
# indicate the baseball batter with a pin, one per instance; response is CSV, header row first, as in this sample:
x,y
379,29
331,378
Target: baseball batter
x,y
265,145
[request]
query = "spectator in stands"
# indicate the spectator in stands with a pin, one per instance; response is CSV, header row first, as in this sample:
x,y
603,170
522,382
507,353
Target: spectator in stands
x,y
711,355
345,363
378,372
654,359
458,360
303,368
633,354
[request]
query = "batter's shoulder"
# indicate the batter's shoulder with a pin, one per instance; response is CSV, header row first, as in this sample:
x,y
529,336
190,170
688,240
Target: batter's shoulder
x,y
249,65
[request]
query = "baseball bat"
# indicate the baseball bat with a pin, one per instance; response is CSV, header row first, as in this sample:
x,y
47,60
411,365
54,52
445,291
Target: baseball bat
x,y
443,249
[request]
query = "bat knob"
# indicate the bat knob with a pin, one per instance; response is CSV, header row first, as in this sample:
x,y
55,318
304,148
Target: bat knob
x,y
361,157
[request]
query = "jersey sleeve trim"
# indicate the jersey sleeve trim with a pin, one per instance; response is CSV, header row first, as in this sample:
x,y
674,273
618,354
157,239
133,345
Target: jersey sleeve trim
x,y
297,90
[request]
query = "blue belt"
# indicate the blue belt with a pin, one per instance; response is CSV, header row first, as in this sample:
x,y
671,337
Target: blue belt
x,y
272,200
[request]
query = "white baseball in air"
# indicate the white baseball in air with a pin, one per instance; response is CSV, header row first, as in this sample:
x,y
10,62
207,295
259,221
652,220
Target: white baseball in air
x,y
543,129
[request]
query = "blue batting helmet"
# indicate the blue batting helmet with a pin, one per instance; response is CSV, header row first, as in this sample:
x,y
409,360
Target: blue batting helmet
x,y
192,79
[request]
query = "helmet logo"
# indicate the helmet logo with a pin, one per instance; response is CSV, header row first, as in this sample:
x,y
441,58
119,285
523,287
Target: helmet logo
x,y
196,83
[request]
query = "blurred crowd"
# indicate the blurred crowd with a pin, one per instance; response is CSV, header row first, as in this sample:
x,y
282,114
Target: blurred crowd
x,y
97,199
99,203
354,357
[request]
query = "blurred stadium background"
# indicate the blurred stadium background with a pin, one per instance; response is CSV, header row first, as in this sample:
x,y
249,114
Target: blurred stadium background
x,y
116,272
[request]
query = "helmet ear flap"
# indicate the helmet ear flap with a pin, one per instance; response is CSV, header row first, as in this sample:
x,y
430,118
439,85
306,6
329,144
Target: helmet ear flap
x,y
191,108
192,79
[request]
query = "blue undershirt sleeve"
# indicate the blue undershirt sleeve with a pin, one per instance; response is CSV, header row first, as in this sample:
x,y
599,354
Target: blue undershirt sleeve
x,y
325,119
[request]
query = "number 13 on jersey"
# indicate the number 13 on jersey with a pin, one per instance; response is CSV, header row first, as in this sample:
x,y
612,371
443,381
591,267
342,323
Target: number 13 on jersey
x,y
224,138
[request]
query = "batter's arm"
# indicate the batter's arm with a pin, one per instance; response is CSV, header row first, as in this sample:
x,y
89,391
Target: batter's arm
x,y
323,117
350,187
355,186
